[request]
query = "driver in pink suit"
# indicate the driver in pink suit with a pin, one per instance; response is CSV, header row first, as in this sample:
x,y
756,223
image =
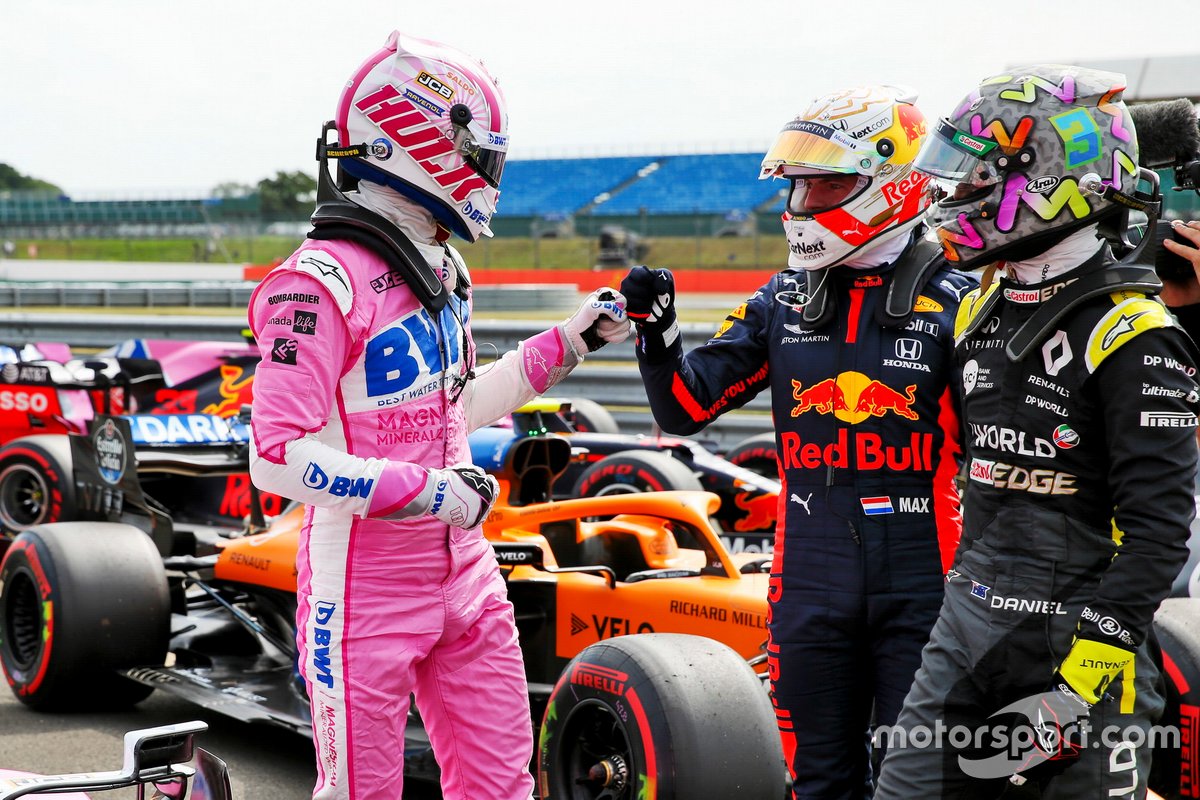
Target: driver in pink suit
x,y
366,392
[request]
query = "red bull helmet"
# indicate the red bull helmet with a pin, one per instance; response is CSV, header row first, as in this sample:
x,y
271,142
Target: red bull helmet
x,y
848,162
1025,159
436,128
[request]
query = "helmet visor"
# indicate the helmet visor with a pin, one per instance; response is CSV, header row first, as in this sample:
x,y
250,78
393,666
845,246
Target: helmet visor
x,y
802,143
484,151
958,162
814,194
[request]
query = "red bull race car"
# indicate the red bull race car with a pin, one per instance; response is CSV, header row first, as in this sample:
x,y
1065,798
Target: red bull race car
x,y
176,388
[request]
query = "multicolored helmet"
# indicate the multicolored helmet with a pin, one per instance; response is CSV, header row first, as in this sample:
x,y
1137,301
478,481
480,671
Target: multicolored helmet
x,y
436,127
1026,158
862,141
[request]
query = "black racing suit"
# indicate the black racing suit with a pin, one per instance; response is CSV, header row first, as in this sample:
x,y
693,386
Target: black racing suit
x,y
867,435
1082,458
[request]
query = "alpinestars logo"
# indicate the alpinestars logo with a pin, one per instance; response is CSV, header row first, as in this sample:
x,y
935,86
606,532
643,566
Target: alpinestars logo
x,y
328,270
479,483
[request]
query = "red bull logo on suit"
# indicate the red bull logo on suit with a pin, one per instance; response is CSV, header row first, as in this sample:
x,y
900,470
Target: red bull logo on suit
x,y
853,397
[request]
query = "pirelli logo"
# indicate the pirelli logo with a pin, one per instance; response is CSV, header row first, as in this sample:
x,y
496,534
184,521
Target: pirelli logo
x,y
1168,419
604,679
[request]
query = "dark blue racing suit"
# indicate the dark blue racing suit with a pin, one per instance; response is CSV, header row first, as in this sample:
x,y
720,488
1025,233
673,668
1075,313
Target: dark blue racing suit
x,y
867,431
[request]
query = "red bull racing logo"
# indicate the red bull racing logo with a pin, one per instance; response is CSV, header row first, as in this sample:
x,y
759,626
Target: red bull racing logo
x,y
235,391
853,397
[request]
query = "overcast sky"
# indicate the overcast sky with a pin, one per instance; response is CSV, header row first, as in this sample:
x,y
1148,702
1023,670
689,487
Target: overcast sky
x,y
163,97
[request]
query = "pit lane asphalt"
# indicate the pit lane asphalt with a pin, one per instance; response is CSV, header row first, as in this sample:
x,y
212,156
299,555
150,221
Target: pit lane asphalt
x,y
263,762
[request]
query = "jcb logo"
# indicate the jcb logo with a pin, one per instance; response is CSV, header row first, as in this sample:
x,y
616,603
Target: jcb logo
x,y
433,84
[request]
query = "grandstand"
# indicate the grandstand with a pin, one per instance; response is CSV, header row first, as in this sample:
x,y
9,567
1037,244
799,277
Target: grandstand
x,y
694,195
552,196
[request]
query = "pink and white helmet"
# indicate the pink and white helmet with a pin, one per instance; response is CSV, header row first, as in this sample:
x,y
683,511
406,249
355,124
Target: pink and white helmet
x,y
436,129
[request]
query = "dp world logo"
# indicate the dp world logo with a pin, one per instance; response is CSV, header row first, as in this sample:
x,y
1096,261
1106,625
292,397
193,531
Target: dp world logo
x,y
110,445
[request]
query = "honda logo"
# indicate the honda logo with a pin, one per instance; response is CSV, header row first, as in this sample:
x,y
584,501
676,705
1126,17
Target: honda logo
x,y
908,349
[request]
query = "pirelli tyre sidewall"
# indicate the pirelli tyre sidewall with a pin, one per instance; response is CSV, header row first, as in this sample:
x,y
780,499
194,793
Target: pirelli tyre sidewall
x,y
661,717
635,471
78,602
35,483
758,454
1175,772
588,416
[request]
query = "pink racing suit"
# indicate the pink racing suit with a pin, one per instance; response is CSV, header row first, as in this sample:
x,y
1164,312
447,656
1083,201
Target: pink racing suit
x,y
360,390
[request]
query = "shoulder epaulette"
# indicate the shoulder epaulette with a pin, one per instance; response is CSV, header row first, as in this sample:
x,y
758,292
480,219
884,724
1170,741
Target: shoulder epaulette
x,y
1132,313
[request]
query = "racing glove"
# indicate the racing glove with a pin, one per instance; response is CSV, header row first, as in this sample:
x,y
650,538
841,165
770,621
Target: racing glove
x,y
1090,666
599,321
1081,681
461,496
650,303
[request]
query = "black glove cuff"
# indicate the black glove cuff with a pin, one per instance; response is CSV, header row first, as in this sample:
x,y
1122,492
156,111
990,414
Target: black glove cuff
x,y
651,347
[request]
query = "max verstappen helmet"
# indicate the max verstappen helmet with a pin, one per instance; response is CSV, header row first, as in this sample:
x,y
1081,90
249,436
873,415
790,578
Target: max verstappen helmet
x,y
436,129
1028,157
848,160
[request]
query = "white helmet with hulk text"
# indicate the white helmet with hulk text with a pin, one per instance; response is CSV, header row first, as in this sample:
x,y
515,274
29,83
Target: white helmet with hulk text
x,y
436,129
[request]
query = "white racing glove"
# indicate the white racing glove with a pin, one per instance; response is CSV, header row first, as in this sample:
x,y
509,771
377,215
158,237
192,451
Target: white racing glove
x,y
461,496
599,321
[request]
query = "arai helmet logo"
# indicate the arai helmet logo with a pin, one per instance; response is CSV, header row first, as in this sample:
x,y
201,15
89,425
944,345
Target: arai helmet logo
x,y
1041,185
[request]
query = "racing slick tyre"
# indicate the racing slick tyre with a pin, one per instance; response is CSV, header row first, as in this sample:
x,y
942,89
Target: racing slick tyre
x,y
81,601
1173,771
35,482
756,454
669,716
633,472
588,416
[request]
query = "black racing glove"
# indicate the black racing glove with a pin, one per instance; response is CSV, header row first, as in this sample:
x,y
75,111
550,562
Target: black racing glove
x,y
650,303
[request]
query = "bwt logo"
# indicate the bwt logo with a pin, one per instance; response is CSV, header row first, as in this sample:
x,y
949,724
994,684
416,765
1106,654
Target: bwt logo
x,y
439,497
316,478
474,214
323,613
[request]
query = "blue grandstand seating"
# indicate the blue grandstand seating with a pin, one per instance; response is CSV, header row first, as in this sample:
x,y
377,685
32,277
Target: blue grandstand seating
x,y
705,184
560,186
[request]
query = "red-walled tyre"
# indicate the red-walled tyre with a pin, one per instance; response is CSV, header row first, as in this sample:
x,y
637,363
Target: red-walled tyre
x,y
35,483
80,601
588,416
757,454
635,471
1175,772
661,715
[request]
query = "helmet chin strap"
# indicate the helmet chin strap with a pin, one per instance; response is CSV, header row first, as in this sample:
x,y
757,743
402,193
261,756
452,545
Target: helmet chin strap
x,y
1064,256
415,220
